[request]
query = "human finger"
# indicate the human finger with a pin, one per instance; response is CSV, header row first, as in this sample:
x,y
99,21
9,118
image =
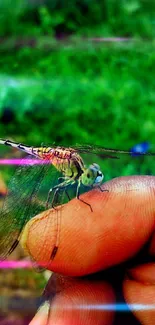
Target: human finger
x,y
121,222
139,292
76,302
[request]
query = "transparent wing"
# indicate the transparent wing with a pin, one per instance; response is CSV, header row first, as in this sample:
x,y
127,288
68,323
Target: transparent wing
x,y
27,195
115,163
106,152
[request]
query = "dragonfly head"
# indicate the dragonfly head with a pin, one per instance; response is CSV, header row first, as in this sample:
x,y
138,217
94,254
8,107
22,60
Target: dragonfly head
x,y
92,176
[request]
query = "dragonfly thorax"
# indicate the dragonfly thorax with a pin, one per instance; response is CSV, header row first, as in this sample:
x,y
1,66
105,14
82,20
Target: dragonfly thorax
x,y
92,176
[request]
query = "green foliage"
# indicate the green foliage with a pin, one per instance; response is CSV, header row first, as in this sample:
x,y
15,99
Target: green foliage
x,y
98,18
101,96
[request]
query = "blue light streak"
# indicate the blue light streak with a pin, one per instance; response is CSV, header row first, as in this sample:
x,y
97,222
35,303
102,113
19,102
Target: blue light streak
x,y
118,307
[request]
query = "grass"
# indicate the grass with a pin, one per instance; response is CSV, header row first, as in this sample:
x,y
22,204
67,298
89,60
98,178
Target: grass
x,y
101,95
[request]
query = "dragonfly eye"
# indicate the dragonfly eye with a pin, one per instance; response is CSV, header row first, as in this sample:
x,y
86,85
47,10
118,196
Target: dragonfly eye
x,y
99,178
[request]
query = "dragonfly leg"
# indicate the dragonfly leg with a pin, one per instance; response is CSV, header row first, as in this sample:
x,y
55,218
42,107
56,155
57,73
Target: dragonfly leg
x,y
78,196
68,197
62,186
56,192
48,197
56,189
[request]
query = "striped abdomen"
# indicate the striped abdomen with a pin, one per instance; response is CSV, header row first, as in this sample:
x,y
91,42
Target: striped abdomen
x,y
66,160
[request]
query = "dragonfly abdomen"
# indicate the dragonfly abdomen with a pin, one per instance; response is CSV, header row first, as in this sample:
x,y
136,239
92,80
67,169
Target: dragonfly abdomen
x,y
20,146
65,160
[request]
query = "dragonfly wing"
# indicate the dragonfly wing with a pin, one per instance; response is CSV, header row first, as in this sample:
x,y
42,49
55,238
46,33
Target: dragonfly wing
x,y
115,163
21,204
106,152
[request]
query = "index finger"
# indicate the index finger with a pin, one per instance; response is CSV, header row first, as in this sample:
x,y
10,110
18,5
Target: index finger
x,y
121,222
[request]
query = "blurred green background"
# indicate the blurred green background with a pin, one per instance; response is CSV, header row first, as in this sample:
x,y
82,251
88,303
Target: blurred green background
x,y
59,83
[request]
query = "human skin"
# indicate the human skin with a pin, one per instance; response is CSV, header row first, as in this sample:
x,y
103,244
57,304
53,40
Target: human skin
x,y
122,221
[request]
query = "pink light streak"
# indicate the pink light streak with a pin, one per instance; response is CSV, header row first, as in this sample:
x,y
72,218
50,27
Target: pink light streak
x,y
15,264
17,161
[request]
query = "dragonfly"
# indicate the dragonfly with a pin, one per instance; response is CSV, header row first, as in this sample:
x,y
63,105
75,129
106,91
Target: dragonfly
x,y
21,202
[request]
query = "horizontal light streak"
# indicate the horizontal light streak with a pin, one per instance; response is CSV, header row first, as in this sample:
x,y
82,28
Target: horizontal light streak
x,y
17,161
13,264
121,307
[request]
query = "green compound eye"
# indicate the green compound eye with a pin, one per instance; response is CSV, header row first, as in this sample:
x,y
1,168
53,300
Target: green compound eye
x,y
88,175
